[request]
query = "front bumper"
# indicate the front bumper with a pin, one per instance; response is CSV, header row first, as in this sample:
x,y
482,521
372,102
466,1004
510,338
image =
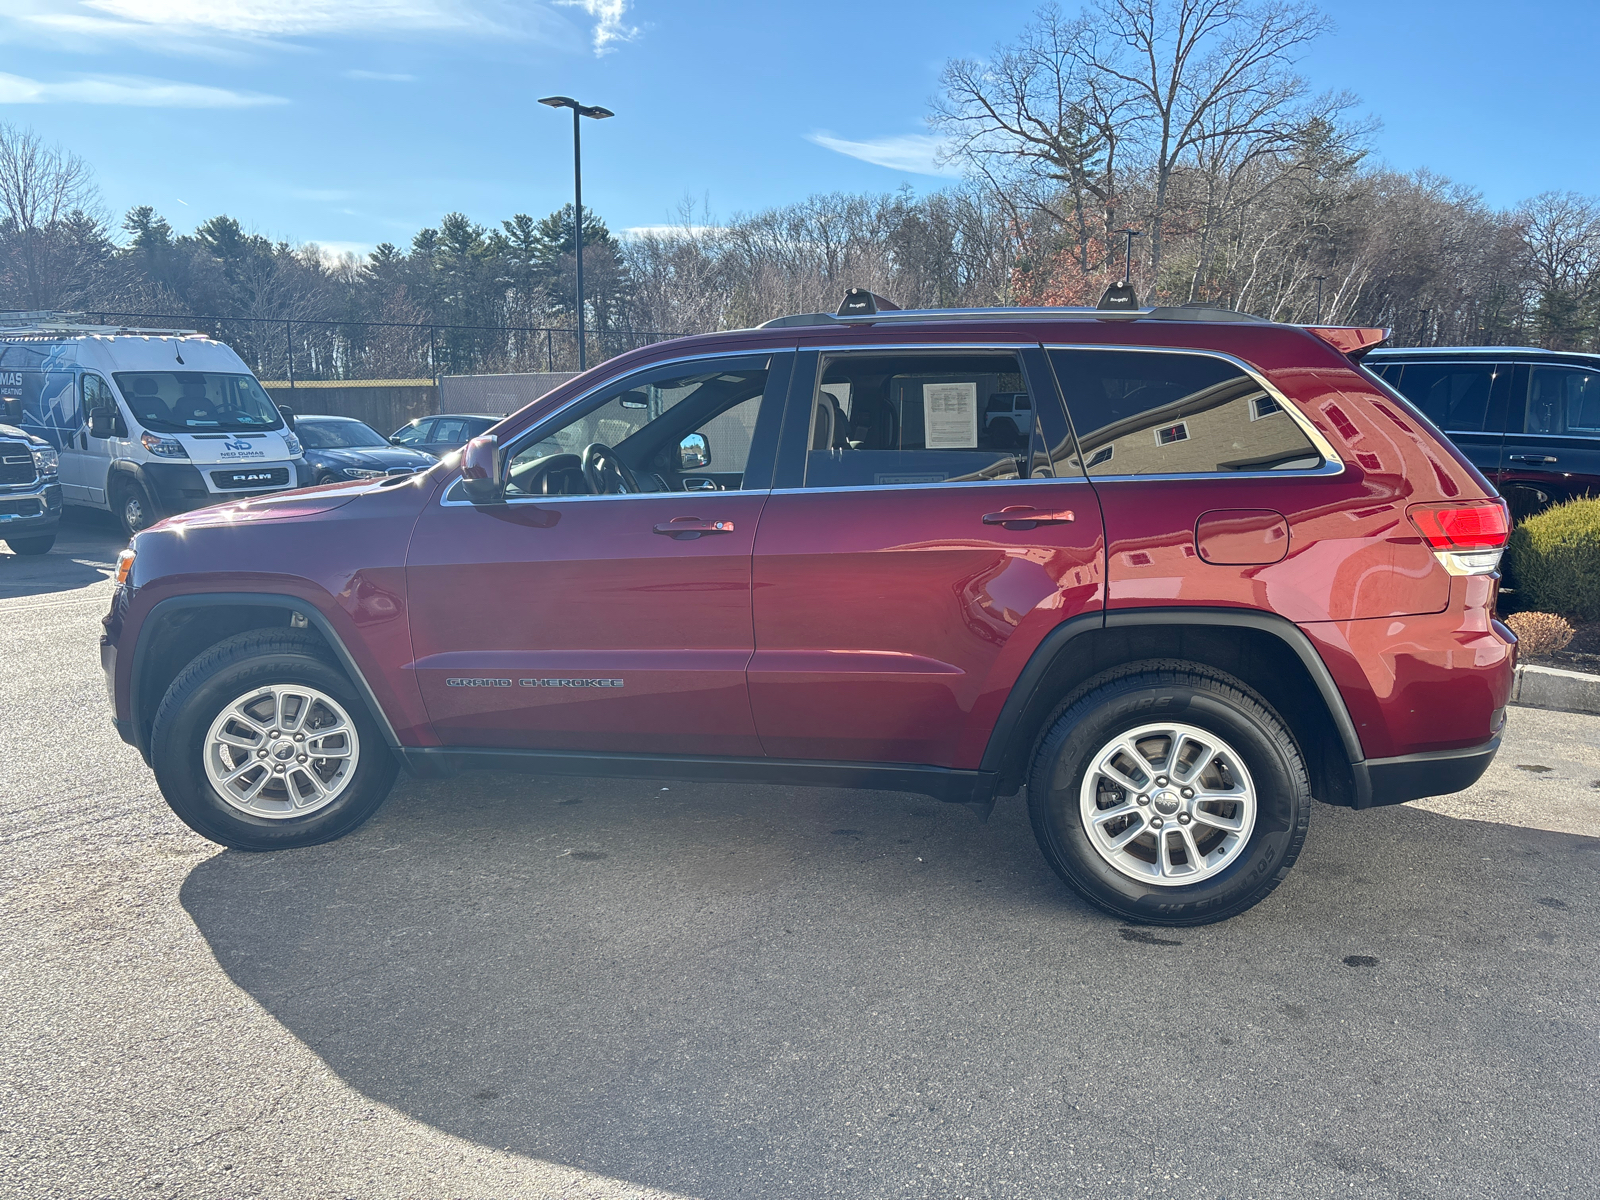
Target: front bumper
x,y
31,512
180,487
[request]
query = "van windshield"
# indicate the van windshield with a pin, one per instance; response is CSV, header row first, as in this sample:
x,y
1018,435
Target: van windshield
x,y
197,401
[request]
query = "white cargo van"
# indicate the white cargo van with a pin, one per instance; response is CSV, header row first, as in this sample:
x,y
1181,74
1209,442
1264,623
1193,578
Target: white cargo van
x,y
146,422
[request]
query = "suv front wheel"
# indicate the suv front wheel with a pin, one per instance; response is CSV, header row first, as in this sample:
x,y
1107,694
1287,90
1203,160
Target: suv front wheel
x,y
1170,794
261,743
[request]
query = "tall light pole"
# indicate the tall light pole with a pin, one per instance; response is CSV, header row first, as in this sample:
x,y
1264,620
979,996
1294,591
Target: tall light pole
x,y
578,111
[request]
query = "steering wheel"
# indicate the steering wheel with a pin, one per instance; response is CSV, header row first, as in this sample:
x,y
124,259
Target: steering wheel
x,y
606,473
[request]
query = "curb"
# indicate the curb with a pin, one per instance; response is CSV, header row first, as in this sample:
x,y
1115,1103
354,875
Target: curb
x,y
1551,687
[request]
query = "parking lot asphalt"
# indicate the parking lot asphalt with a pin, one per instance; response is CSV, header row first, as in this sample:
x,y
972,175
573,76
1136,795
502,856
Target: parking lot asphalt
x,y
509,987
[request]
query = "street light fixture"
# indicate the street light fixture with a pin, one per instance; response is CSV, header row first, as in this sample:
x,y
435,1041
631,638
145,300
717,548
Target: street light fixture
x,y
598,113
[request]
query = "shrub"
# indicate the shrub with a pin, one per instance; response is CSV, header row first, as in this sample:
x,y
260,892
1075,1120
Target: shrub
x,y
1555,557
1540,633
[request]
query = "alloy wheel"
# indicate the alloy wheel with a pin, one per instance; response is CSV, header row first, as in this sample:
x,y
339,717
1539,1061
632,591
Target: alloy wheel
x,y
282,750
1168,804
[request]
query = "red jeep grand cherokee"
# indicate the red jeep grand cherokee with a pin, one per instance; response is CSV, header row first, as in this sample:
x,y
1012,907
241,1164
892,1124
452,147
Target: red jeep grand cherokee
x,y
1220,569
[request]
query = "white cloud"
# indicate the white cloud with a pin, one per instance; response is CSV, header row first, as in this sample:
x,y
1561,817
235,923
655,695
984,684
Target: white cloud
x,y
227,28
608,29
293,18
380,76
331,252
917,153
126,91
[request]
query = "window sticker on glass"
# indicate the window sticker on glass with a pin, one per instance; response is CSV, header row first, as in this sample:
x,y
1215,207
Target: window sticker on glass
x,y
950,415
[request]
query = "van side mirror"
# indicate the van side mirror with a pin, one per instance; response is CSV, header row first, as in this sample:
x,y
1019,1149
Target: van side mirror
x,y
480,470
102,423
694,452
288,415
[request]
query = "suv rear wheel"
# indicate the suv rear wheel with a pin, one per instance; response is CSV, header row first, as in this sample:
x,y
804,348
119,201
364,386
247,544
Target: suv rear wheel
x,y
262,744
1169,793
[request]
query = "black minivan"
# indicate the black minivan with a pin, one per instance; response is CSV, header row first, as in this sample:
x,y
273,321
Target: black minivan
x,y
1528,419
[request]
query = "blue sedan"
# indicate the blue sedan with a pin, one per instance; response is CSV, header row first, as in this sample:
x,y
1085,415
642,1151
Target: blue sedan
x,y
340,448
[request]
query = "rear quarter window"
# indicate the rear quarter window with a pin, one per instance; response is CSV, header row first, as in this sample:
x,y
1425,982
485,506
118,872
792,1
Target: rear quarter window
x,y
1140,412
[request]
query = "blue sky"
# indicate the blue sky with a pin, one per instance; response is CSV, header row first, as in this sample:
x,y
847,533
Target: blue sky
x,y
351,122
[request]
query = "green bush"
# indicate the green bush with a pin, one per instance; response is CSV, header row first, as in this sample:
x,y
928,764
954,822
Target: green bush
x,y
1555,559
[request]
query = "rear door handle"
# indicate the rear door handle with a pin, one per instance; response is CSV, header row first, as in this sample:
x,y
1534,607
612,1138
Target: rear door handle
x,y
686,529
1022,517
1532,458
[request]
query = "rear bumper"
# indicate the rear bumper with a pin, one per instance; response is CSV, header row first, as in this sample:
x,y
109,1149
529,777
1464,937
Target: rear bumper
x,y
1414,776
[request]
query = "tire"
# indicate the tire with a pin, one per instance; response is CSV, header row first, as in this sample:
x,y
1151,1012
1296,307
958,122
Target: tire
x,y
189,753
133,506
1229,744
32,545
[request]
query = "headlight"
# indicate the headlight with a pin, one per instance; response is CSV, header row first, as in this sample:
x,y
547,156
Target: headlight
x,y
292,445
358,473
165,447
45,461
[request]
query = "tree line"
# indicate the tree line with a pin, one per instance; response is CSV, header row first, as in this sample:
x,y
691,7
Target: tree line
x,y
1182,121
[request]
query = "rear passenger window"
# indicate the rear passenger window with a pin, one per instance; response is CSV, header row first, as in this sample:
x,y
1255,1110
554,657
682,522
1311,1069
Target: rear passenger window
x,y
887,420
1563,400
1158,413
1457,397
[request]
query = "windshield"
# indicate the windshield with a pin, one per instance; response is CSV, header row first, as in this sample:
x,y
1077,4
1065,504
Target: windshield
x,y
337,435
197,401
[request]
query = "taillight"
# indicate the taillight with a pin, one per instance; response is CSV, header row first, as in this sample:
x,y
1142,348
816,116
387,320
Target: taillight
x,y
1467,539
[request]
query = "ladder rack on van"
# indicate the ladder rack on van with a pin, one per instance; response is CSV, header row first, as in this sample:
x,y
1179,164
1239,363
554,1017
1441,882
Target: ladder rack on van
x,y
48,324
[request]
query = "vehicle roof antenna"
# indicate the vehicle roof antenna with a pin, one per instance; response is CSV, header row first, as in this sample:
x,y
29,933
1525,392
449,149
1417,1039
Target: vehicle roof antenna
x,y
177,348
858,302
1121,295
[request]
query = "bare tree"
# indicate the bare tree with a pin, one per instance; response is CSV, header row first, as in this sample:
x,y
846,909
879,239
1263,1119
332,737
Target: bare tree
x,y
1203,74
42,188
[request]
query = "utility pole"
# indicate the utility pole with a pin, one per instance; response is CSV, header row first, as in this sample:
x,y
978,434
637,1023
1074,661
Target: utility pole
x,y
1320,278
578,111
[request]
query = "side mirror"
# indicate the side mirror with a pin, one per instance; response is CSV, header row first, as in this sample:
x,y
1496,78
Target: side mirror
x,y
480,470
102,424
638,398
288,415
694,452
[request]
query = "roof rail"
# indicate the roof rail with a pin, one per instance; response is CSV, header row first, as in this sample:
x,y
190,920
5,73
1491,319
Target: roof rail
x,y
47,323
904,316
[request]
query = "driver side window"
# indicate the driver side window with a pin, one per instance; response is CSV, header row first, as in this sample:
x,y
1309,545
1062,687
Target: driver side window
x,y
631,433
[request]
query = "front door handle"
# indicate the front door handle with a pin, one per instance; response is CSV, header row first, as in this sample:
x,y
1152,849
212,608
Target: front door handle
x,y
686,529
1022,517
1532,458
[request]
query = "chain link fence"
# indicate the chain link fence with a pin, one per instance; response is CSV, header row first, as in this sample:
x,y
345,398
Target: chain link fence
x,y
323,350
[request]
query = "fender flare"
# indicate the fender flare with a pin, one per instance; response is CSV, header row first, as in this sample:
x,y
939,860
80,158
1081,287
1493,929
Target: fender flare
x,y
124,467
313,616
1060,638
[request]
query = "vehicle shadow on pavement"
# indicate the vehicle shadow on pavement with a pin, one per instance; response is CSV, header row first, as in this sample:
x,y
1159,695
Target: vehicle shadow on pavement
x,y
87,545
772,992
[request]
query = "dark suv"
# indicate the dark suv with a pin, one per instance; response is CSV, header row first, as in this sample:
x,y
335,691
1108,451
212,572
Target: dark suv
x,y
1225,571
1528,419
